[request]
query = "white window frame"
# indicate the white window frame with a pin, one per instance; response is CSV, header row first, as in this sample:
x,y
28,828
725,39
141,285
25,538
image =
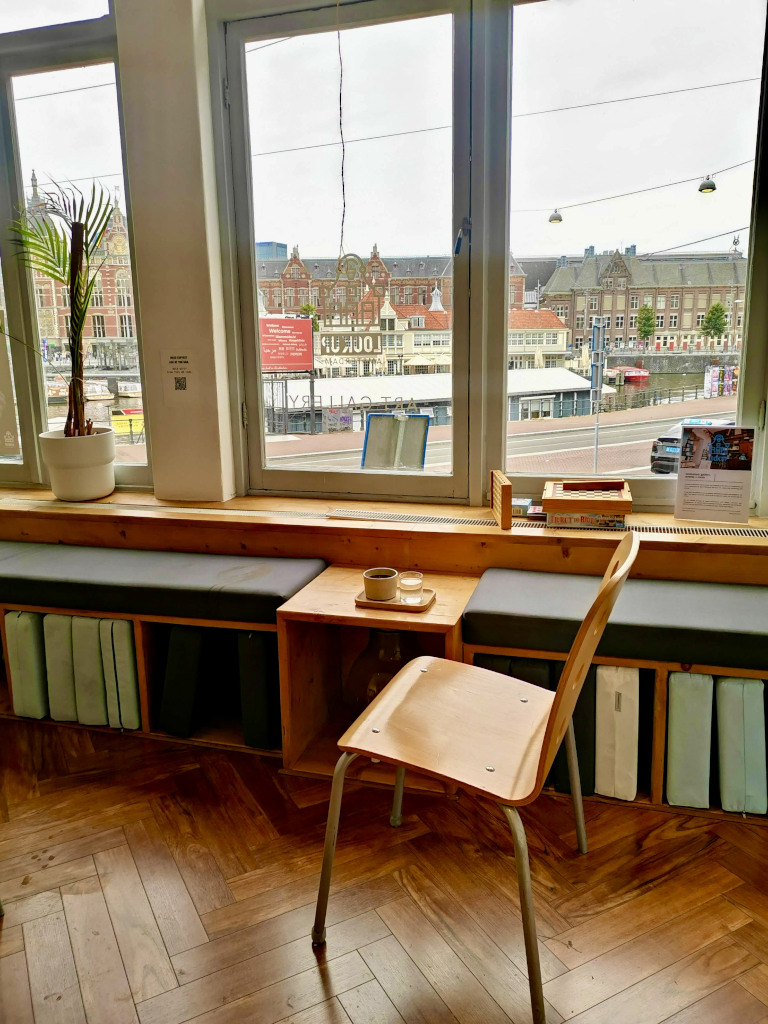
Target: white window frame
x,y
634,302
48,48
260,478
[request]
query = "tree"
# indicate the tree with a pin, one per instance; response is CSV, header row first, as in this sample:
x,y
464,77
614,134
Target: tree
x,y
715,322
309,310
646,323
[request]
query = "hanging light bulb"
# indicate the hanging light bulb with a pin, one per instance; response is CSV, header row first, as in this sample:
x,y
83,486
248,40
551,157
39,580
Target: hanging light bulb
x,y
556,217
707,185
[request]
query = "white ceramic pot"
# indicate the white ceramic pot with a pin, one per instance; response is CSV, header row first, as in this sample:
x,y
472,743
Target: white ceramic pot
x,y
81,468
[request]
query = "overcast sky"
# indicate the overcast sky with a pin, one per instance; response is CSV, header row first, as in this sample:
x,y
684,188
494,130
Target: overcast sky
x,y
397,78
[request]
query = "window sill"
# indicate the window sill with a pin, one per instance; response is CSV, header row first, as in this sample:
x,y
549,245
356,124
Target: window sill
x,y
299,527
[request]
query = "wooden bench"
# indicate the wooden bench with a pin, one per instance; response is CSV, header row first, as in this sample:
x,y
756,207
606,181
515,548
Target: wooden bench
x,y
662,625
154,590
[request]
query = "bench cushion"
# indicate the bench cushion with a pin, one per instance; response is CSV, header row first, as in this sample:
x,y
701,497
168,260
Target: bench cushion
x,y
233,587
657,620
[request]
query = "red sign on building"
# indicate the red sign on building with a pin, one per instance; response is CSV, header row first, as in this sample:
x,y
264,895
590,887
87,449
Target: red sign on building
x,y
286,345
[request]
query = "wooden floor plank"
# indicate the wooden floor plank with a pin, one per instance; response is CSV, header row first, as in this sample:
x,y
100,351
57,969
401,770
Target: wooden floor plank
x,y
146,961
30,835
11,940
272,1004
202,876
408,989
48,857
41,905
677,895
369,1004
500,978
174,911
756,982
259,972
103,982
673,989
443,861
259,938
53,979
304,890
731,1004
639,958
48,878
754,937
329,1012
753,901
15,998
444,970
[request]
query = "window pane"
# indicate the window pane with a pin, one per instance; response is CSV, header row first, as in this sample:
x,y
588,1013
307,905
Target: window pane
x,y
629,239
10,437
36,13
367,335
51,151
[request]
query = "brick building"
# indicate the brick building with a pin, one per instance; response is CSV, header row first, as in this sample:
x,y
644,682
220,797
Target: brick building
x,y
679,289
287,286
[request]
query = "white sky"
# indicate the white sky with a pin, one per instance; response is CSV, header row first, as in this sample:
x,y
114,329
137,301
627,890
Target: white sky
x,y
397,78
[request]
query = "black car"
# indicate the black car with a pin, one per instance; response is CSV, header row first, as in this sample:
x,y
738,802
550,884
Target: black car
x,y
665,452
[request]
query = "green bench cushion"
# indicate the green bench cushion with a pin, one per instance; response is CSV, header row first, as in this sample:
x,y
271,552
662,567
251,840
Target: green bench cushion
x,y
233,587
26,656
741,743
689,739
90,689
657,620
118,658
60,667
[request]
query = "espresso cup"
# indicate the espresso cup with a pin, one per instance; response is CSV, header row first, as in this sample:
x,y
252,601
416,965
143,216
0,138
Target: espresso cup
x,y
380,584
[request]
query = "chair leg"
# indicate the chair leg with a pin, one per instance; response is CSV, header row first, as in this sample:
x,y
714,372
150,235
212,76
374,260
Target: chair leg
x,y
331,832
396,817
529,918
575,780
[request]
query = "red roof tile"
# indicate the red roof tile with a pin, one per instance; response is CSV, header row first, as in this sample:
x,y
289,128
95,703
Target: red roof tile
x,y
534,320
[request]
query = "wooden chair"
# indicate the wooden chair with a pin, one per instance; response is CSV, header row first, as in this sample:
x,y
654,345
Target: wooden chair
x,y
489,733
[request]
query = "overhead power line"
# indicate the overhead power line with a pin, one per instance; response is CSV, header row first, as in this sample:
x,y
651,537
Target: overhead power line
x,y
641,96
696,241
636,192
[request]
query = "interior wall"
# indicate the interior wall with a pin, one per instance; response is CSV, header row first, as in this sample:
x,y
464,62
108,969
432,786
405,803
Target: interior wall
x,y
163,68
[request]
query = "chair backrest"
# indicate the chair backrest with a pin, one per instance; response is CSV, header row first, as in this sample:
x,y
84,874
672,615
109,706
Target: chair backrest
x,y
583,650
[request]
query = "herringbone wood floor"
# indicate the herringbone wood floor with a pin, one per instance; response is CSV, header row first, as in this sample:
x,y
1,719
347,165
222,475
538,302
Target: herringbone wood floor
x,y
159,884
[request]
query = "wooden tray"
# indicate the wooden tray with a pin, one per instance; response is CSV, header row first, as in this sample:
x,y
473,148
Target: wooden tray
x,y
427,600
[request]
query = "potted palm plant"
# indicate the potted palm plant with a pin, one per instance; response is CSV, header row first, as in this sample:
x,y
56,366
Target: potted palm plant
x,y
60,238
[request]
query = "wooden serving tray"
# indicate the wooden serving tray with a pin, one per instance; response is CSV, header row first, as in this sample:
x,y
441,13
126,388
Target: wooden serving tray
x,y
427,600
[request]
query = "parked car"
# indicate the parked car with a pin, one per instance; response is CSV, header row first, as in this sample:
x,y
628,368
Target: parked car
x,y
665,451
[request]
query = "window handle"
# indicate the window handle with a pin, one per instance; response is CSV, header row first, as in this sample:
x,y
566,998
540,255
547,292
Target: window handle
x,y
465,229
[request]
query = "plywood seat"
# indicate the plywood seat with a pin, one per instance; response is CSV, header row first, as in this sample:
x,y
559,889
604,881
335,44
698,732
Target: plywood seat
x,y
456,721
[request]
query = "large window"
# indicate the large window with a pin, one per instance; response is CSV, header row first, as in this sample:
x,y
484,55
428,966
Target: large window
x,y
343,202
646,222
51,153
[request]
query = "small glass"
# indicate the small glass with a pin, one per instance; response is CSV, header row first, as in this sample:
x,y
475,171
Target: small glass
x,y
411,584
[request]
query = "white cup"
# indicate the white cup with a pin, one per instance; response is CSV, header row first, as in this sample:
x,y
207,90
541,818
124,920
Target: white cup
x,y
380,584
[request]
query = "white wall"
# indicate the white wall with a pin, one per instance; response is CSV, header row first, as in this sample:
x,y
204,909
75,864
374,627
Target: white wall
x,y
163,67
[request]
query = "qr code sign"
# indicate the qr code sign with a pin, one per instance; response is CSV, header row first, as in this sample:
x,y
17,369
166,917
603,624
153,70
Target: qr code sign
x,y
180,383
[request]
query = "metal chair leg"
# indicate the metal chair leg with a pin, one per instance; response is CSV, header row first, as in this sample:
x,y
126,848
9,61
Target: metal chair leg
x,y
529,918
575,780
331,832
396,817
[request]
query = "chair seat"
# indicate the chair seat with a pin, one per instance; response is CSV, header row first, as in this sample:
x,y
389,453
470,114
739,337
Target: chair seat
x,y
454,721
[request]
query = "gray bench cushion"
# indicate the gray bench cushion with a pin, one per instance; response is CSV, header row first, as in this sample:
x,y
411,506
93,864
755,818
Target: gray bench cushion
x,y
658,620
236,587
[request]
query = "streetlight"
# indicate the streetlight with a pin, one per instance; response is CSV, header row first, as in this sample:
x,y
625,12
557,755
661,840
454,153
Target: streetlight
x,y
555,217
707,185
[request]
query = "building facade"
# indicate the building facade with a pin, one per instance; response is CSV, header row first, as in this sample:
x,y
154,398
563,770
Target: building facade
x,y
536,338
679,289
